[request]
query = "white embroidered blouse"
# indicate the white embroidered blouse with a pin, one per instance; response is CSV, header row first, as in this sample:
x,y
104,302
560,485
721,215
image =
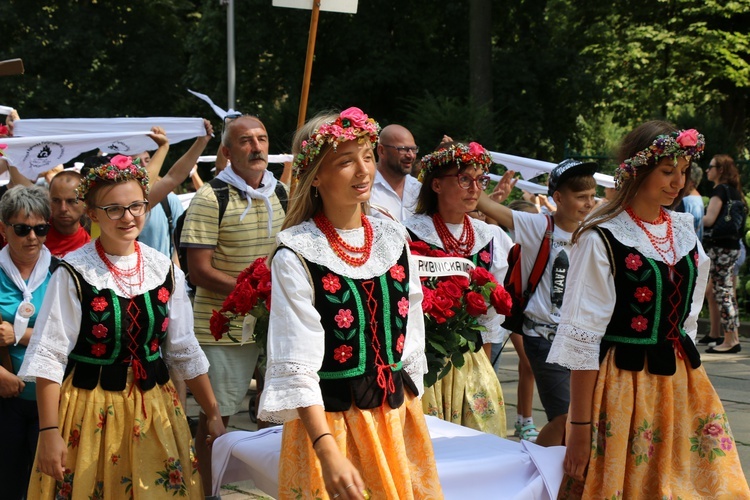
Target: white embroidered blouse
x,y
590,293
295,334
58,324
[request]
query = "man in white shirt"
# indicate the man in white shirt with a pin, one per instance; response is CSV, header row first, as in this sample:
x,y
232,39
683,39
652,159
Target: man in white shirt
x,y
395,191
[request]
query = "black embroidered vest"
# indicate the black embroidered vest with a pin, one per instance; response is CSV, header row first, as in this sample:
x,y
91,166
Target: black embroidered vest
x,y
365,330
653,301
116,331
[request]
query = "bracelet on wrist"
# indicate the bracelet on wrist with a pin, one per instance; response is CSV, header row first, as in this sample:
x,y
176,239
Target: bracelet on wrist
x,y
580,423
48,428
315,441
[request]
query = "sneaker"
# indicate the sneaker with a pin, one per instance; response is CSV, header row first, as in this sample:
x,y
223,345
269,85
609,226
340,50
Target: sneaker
x,y
529,433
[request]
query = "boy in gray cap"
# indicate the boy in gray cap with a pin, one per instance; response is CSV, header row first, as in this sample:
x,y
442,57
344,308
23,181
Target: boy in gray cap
x,y
572,187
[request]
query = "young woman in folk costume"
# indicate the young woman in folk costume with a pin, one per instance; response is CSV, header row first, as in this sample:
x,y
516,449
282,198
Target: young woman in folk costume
x,y
453,177
346,332
110,421
644,418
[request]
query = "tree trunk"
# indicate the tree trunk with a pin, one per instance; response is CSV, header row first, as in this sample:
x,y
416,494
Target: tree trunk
x,y
480,69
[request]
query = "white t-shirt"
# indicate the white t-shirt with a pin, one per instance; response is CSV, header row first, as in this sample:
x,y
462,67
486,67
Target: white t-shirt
x,y
545,304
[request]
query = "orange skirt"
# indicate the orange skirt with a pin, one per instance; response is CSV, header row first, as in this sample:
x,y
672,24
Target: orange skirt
x,y
116,450
390,448
658,437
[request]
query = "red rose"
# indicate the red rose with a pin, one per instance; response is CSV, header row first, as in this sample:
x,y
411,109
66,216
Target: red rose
x,y
688,138
475,304
450,289
264,289
419,248
481,276
259,268
438,253
501,300
428,296
218,324
245,297
461,282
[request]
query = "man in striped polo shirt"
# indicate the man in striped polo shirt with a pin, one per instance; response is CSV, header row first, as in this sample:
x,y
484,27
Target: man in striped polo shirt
x,y
219,247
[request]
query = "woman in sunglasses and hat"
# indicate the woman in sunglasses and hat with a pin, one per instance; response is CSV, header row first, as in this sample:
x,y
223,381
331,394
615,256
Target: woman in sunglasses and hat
x,y
24,274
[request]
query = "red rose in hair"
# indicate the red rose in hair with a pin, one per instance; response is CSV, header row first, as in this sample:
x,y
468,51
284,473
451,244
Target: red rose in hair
x,y
475,304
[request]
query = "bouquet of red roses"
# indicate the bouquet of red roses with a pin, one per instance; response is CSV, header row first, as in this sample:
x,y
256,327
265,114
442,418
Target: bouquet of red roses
x,y
251,295
452,306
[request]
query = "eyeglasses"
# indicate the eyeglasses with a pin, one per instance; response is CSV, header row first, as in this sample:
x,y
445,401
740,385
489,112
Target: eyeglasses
x,y
710,167
25,229
465,180
117,212
403,149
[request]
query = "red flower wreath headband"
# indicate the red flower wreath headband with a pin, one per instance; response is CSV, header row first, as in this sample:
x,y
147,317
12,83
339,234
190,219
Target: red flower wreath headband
x,y
461,154
119,169
351,124
689,143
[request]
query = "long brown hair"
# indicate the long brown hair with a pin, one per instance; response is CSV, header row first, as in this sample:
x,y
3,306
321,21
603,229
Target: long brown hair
x,y
637,140
728,172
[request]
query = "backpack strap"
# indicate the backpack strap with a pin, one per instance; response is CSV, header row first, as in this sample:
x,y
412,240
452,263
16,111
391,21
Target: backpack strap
x,y
540,264
282,195
221,191
170,223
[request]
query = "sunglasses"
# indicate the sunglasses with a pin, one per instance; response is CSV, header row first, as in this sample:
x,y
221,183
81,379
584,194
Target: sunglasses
x,y
25,229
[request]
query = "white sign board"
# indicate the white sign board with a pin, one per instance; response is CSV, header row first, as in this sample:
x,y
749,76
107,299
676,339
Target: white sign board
x,y
343,6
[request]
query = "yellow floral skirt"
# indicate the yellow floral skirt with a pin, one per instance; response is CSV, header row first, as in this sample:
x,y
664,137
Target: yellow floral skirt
x,y
122,445
658,437
470,396
390,448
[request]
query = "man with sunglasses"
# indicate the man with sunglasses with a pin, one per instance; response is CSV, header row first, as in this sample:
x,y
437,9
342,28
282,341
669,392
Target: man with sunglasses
x,y
395,191
66,232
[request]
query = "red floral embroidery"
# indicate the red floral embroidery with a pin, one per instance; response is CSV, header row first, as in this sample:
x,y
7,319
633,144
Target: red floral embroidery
x,y
175,477
164,324
643,294
99,331
331,283
114,459
633,262
403,307
400,343
485,256
342,353
397,272
163,295
154,345
344,318
99,304
98,349
639,323
75,437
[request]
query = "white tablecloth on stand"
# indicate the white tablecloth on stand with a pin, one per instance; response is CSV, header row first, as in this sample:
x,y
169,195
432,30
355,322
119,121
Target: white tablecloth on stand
x,y
471,464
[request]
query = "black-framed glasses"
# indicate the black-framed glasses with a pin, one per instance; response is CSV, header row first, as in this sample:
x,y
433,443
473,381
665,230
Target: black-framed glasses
x,y
403,149
465,180
24,229
117,212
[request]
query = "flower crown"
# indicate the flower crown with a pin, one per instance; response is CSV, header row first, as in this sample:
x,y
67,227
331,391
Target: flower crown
x,y
351,124
459,153
688,143
120,168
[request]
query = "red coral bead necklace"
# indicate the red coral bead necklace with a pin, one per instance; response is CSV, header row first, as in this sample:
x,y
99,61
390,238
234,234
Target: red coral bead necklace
x,y
341,247
464,244
657,242
124,279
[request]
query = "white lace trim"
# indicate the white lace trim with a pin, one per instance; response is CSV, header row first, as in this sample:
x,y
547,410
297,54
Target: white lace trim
x,y
629,234
40,365
416,366
186,363
424,228
389,238
575,348
86,261
289,386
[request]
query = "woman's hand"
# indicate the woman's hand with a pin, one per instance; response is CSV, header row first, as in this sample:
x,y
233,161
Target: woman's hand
x,y
7,335
10,385
504,187
578,451
341,478
52,453
215,429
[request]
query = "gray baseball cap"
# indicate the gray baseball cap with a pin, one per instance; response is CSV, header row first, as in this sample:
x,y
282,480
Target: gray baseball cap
x,y
568,168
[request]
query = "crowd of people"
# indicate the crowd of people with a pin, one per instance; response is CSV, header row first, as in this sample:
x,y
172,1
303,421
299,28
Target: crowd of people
x,y
102,330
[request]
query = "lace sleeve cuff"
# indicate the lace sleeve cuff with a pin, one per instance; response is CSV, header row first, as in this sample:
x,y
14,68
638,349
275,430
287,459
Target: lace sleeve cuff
x,y
45,362
575,348
416,366
288,386
186,363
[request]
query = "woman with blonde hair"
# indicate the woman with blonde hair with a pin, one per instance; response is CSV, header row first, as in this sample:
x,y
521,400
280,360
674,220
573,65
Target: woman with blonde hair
x,y
644,417
346,332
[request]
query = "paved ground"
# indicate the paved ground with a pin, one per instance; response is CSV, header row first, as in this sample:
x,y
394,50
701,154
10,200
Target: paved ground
x,y
730,375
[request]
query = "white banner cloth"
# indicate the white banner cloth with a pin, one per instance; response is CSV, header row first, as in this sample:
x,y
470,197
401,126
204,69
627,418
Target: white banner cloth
x,y
529,169
470,464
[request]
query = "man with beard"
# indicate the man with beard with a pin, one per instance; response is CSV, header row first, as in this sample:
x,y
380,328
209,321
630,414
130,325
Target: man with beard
x,y
219,246
67,233
395,191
